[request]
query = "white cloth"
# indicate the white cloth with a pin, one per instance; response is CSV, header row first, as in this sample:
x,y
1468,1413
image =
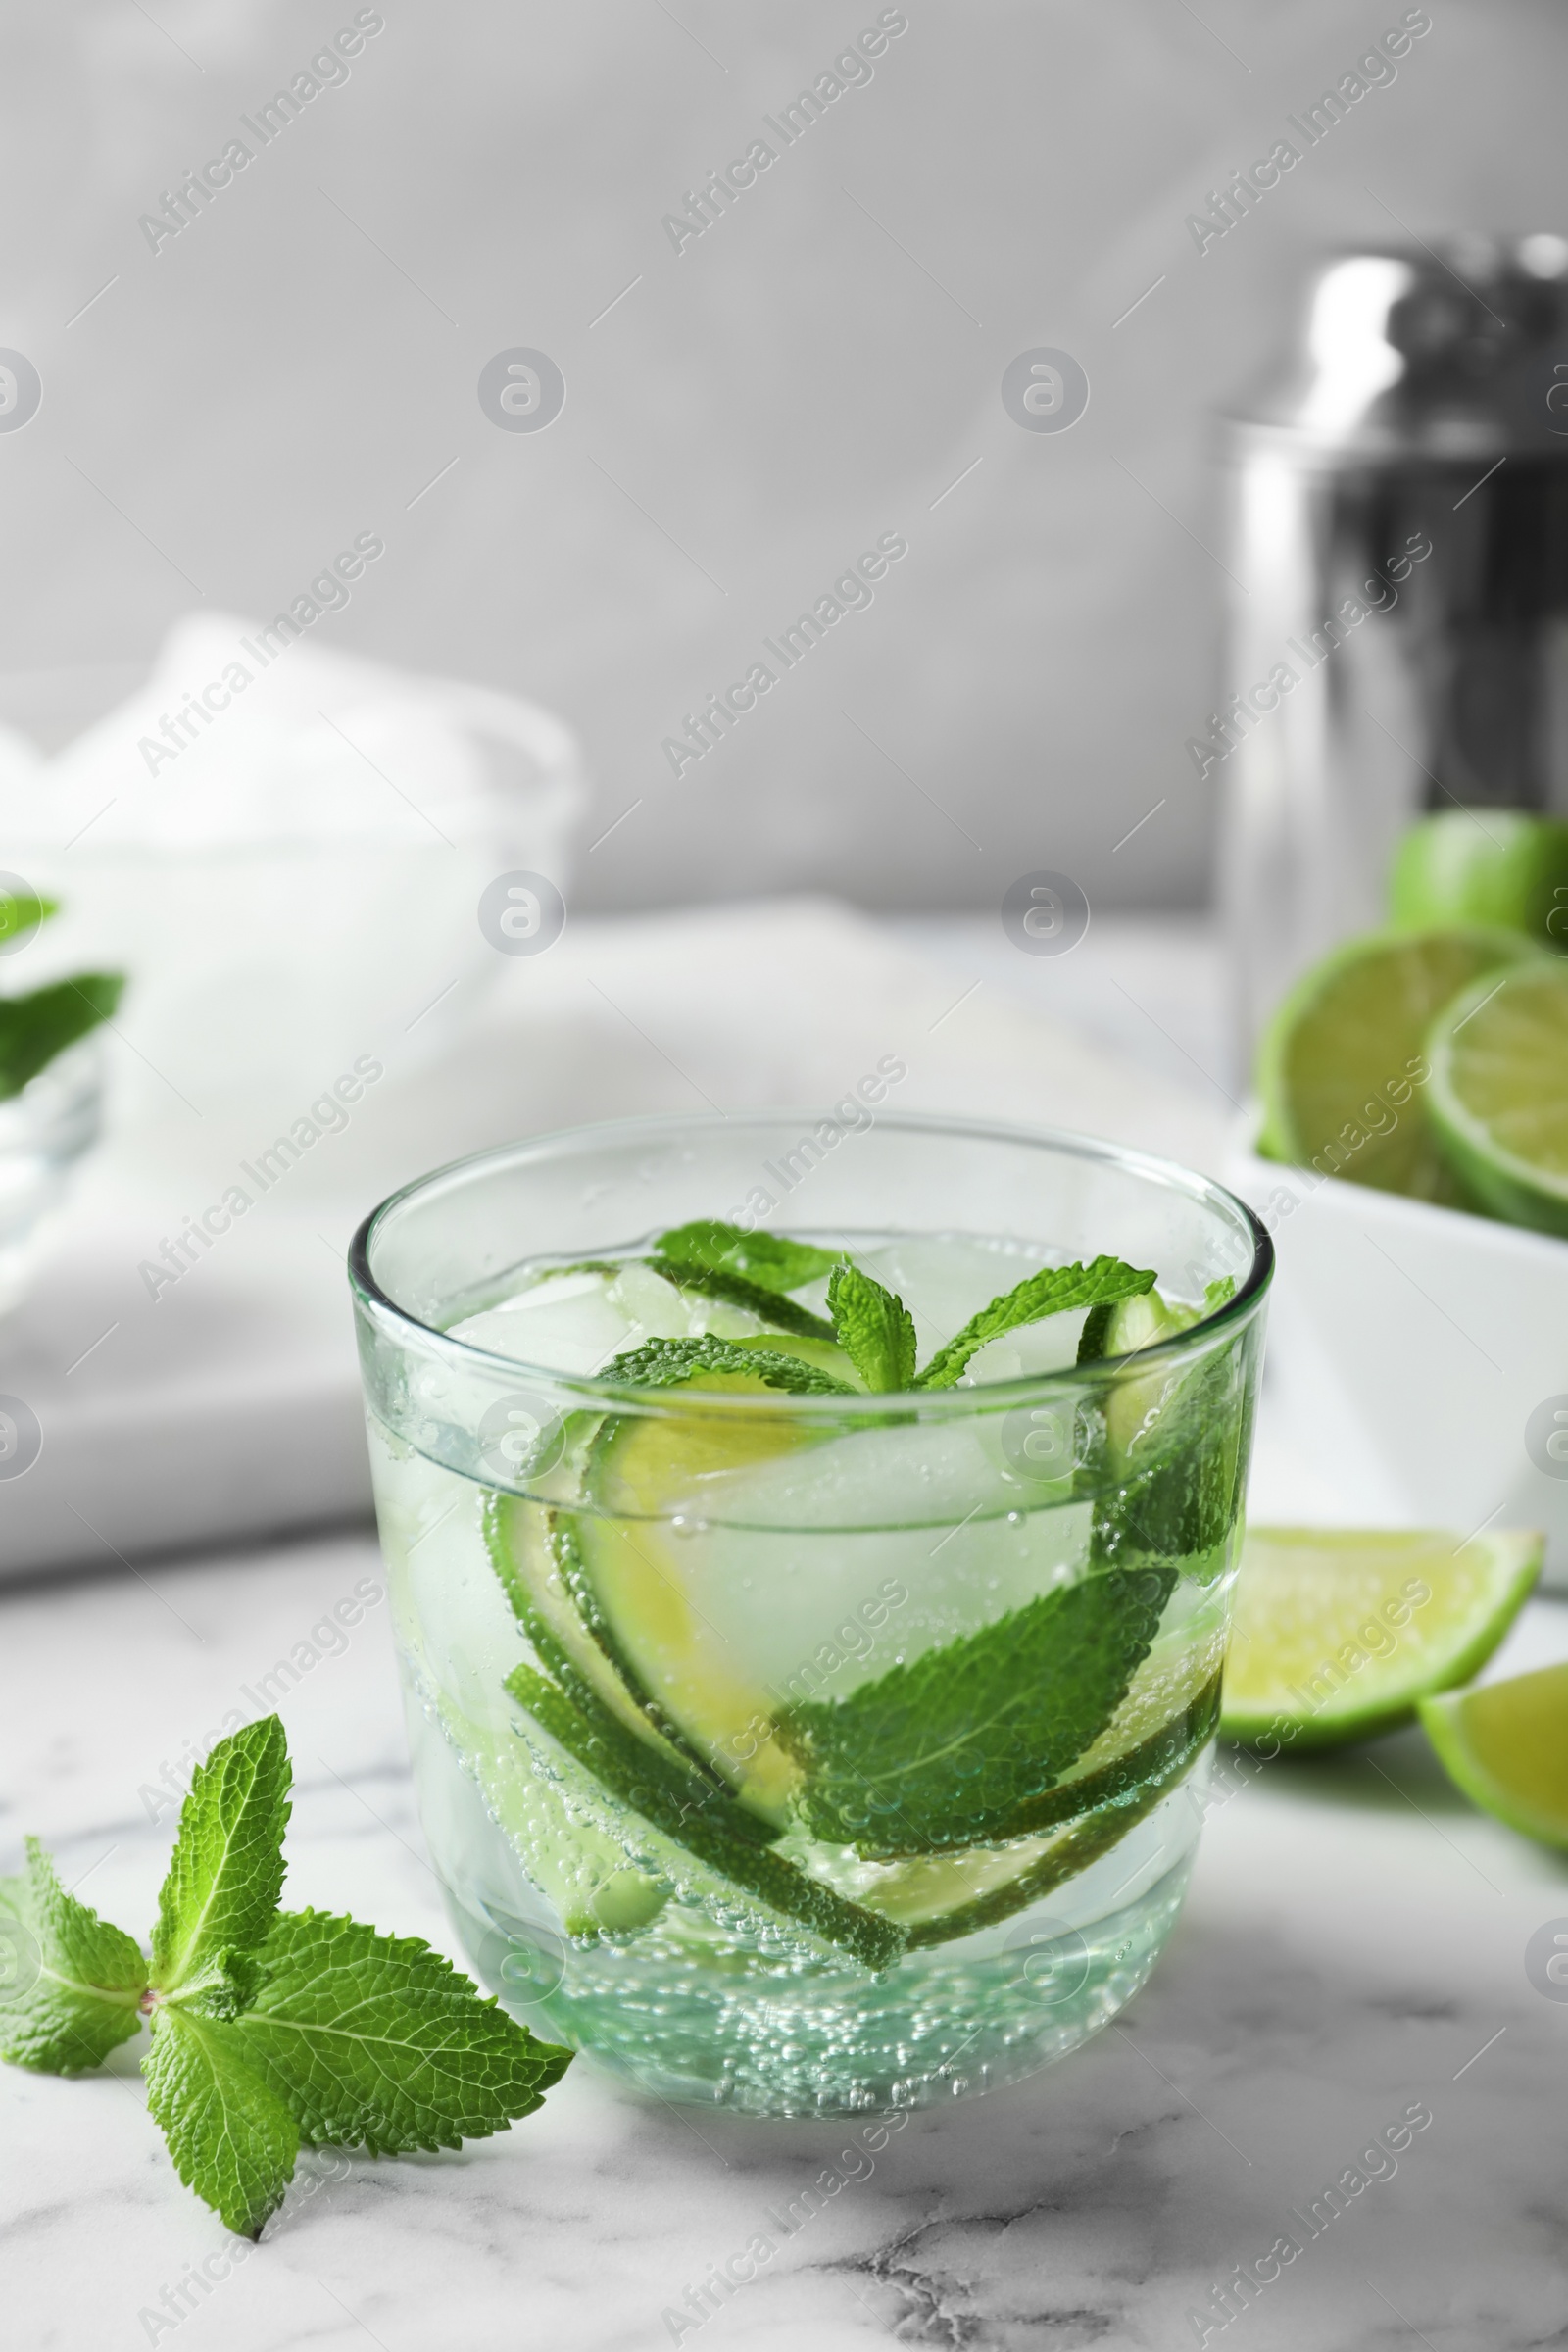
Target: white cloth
x,y
230,1405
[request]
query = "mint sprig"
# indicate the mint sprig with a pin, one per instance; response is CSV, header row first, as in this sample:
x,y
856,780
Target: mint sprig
x,y
870,1324
271,2030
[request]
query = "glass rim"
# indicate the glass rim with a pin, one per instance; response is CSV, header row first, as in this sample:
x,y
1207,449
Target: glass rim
x,y
593,1389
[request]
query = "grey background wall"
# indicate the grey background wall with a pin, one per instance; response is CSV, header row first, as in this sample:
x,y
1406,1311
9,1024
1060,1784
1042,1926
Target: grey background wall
x,y
744,416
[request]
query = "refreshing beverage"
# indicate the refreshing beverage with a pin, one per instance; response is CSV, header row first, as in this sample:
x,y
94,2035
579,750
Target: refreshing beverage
x,y
812,1615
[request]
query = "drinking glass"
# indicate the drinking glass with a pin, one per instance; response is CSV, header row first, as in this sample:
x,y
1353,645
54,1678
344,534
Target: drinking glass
x,y
811,1753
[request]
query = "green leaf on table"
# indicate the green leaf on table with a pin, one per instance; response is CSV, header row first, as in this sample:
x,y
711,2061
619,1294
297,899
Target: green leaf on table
x,y
34,1028
873,1327
769,1259
327,2030
70,1983
949,1749
226,1873
376,2041
768,1305
231,2137
666,1363
1054,1291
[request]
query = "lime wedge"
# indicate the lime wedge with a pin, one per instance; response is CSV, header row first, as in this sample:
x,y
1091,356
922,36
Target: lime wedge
x,y
1499,1097
1496,866
1343,1062
1507,1748
1337,1633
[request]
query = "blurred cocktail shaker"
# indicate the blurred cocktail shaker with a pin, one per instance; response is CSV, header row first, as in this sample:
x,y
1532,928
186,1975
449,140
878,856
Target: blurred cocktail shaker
x,y
1398,627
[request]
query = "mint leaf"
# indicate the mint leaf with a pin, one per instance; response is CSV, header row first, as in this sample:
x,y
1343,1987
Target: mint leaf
x,y
768,1259
24,910
666,1363
1054,1291
1094,1341
1158,1768
950,1749
34,1028
873,1327
770,1306
377,2041
715,1829
70,1983
231,2137
226,1873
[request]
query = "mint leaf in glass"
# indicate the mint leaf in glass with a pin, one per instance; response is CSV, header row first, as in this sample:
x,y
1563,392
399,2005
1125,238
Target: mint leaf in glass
x,y
34,1028
231,2137
949,1749
873,1327
71,1984
768,1259
1054,1291
666,1363
226,1871
375,2041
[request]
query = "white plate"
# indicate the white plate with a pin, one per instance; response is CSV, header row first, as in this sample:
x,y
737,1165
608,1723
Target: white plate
x,y
1412,1348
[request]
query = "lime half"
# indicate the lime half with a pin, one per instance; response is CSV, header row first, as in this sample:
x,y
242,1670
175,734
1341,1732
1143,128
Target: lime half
x,y
1339,1632
1492,865
1507,1748
1342,1066
1499,1097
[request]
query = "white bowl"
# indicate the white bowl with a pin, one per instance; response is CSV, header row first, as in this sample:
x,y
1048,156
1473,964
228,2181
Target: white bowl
x,y
44,1130
1418,1354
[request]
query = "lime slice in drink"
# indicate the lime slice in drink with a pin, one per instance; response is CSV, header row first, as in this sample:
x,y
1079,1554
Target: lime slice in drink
x,y
623,1563
1337,1633
1342,1065
1498,1097
1493,867
1507,1746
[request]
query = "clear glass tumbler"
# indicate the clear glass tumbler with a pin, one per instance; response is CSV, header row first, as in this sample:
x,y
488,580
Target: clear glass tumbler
x,y
809,1753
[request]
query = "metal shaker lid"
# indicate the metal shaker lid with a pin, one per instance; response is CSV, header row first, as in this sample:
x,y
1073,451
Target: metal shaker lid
x,y
1458,350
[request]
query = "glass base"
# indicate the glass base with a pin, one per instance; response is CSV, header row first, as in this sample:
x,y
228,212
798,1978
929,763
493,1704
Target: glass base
x,y
687,2014
930,2030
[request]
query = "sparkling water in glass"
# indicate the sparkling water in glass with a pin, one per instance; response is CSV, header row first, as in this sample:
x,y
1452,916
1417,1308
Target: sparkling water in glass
x,y
745,1723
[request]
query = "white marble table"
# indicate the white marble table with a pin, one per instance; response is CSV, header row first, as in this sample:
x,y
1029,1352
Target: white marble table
x,y
1353,1945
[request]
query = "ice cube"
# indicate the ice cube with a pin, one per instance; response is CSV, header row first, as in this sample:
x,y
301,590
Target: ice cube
x,y
577,1322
